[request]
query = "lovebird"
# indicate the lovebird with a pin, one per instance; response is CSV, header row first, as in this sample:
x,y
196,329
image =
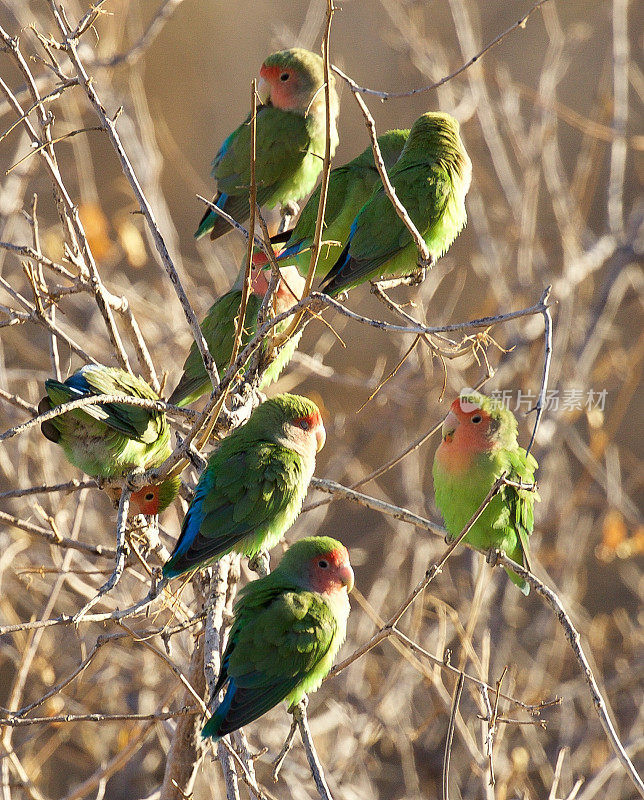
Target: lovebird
x,y
431,178
479,442
219,329
290,137
253,487
350,186
111,439
286,632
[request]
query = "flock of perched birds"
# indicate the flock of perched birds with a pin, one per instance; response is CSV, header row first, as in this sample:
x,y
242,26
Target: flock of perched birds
x,y
289,625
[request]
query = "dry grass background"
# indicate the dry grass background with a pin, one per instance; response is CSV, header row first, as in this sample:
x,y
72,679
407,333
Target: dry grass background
x,y
552,120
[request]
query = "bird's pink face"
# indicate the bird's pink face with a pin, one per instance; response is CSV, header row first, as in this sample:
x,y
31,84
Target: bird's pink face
x,y
467,430
289,289
281,85
309,429
331,572
145,501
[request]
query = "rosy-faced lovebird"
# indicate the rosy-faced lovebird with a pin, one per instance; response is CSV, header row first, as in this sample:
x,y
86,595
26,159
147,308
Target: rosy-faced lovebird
x,y
219,327
253,487
290,137
286,631
431,178
480,443
350,186
111,439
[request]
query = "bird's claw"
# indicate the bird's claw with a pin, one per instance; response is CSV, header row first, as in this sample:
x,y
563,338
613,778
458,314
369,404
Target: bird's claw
x,y
131,479
260,563
492,556
417,277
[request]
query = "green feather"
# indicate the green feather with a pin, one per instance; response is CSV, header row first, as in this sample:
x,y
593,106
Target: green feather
x,y
508,520
290,147
431,178
219,329
251,491
113,438
282,642
350,186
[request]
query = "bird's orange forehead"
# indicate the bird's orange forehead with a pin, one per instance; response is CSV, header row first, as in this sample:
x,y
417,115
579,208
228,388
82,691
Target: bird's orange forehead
x,y
272,73
464,408
338,557
314,420
146,500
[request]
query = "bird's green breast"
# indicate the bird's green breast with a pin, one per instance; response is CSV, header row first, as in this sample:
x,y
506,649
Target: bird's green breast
x,y
460,491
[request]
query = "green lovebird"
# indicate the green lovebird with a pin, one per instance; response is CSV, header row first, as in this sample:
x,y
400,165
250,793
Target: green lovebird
x,y
350,186
111,439
253,487
479,443
431,178
290,136
219,327
286,632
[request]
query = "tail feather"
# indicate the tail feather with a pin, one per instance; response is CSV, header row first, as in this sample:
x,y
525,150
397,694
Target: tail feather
x,y
332,282
188,390
49,430
517,580
212,727
211,222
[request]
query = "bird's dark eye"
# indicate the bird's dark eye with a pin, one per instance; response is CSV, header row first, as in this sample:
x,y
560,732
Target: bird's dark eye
x,y
476,419
284,76
304,424
323,563
149,496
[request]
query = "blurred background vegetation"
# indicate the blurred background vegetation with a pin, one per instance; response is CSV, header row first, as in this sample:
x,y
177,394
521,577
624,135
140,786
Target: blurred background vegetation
x,y
552,119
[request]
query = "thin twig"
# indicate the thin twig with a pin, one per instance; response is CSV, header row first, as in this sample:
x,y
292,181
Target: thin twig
x,y
324,184
286,748
547,358
572,635
391,95
21,722
299,713
450,733
121,552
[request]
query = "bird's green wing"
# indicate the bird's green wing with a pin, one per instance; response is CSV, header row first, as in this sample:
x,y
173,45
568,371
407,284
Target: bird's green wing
x,y
136,423
339,180
240,493
519,503
140,424
282,144
378,234
271,653
423,195
218,329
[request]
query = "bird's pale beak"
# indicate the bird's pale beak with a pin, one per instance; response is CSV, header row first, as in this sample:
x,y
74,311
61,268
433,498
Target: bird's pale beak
x,y
263,91
346,576
450,424
320,436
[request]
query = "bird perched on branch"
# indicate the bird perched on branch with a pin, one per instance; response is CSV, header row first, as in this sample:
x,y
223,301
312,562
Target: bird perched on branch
x,y
219,329
479,443
111,439
431,178
290,139
253,487
287,630
350,187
